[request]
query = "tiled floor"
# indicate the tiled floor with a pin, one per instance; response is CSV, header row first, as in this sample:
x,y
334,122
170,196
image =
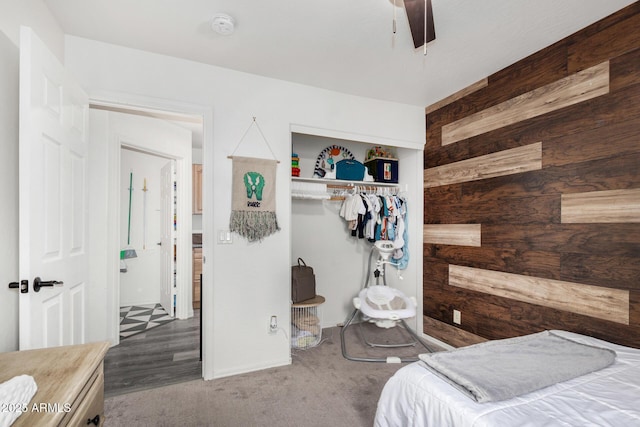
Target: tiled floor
x,y
139,318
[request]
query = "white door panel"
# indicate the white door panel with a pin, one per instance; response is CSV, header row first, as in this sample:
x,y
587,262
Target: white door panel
x,y
53,199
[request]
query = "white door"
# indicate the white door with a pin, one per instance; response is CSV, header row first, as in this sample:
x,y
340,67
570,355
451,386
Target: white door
x,y
167,236
53,199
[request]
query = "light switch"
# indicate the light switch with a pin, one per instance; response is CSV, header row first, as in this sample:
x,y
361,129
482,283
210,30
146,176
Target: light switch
x,y
224,237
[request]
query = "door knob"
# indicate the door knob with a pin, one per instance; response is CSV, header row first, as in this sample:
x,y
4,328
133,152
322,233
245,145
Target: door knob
x,y
39,283
23,286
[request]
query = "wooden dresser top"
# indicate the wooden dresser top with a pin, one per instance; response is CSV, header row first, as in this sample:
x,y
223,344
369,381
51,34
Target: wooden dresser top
x,y
60,373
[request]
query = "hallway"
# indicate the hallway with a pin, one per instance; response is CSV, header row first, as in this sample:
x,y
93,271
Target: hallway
x,y
164,355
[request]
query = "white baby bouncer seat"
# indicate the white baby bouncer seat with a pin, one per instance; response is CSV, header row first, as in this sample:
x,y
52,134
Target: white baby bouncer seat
x,y
384,306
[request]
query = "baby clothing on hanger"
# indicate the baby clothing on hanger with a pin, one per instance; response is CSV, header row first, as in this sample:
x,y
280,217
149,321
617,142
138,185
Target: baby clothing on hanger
x,y
379,217
352,206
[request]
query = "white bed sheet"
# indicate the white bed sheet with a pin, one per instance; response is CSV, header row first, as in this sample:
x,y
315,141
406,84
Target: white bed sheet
x,y
415,396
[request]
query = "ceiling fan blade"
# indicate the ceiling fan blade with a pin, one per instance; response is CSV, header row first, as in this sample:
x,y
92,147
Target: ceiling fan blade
x,y
415,14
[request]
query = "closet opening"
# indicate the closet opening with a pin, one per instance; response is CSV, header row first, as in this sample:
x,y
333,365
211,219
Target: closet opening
x,y
325,240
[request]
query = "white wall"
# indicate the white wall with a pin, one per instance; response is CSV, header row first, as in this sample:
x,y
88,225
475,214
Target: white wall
x,y
244,284
141,282
36,15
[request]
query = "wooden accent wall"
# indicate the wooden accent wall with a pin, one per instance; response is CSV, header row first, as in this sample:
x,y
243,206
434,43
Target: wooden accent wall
x,y
532,194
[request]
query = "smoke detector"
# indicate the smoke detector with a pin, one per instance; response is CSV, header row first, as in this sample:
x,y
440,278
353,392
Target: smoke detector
x,y
223,24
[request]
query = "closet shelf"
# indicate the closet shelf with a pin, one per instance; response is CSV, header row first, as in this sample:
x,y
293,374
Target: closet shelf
x,y
340,182
335,189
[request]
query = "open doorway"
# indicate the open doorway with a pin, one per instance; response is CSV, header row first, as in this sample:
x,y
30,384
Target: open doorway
x,y
147,236
146,142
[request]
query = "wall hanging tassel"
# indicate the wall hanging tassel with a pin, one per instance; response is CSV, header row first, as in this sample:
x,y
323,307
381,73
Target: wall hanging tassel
x,y
253,207
253,199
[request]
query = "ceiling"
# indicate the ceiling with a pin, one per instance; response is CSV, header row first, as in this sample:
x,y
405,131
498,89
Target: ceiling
x,y
342,45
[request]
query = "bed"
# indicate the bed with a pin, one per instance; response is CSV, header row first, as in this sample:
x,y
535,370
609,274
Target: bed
x,y
417,396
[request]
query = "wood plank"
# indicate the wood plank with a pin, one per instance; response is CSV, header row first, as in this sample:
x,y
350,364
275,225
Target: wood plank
x,y
609,43
496,317
618,139
570,90
634,308
477,309
615,172
518,78
612,173
506,162
540,318
442,194
525,76
606,22
625,70
480,84
449,334
612,206
452,234
597,113
594,301
437,273
514,211
532,263
620,272
591,239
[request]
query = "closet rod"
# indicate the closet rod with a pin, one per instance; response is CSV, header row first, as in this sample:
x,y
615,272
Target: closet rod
x,y
365,187
338,190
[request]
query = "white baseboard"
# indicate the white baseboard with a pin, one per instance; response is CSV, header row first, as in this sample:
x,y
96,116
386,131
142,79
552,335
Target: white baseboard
x,y
250,368
437,342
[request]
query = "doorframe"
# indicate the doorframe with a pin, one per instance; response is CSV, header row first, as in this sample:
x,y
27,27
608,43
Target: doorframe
x,y
183,309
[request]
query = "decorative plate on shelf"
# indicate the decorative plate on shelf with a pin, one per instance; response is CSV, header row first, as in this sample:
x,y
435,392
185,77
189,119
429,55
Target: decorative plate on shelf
x,y
327,159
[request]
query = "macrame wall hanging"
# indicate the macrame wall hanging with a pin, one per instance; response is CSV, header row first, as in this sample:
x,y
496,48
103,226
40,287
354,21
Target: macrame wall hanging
x,y
253,200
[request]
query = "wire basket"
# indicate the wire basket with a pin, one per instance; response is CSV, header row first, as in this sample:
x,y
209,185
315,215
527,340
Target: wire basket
x,y
306,323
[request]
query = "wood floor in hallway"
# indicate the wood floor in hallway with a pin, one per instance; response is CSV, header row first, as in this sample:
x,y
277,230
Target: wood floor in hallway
x,y
167,354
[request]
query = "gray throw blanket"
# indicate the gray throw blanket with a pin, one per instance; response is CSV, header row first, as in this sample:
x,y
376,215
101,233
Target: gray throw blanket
x,y
502,369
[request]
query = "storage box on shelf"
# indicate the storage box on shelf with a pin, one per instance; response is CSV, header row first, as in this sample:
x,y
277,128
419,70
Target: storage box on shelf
x,y
383,169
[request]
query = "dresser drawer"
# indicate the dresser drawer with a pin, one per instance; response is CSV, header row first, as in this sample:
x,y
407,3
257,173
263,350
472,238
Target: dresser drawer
x,y
92,405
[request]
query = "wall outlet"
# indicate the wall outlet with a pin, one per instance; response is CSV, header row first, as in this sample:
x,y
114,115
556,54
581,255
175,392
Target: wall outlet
x,y
273,324
457,317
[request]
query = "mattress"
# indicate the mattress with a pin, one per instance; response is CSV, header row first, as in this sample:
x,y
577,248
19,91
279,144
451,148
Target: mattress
x,y
415,396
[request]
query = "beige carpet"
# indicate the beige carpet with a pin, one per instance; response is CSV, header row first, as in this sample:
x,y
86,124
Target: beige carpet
x,y
320,388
